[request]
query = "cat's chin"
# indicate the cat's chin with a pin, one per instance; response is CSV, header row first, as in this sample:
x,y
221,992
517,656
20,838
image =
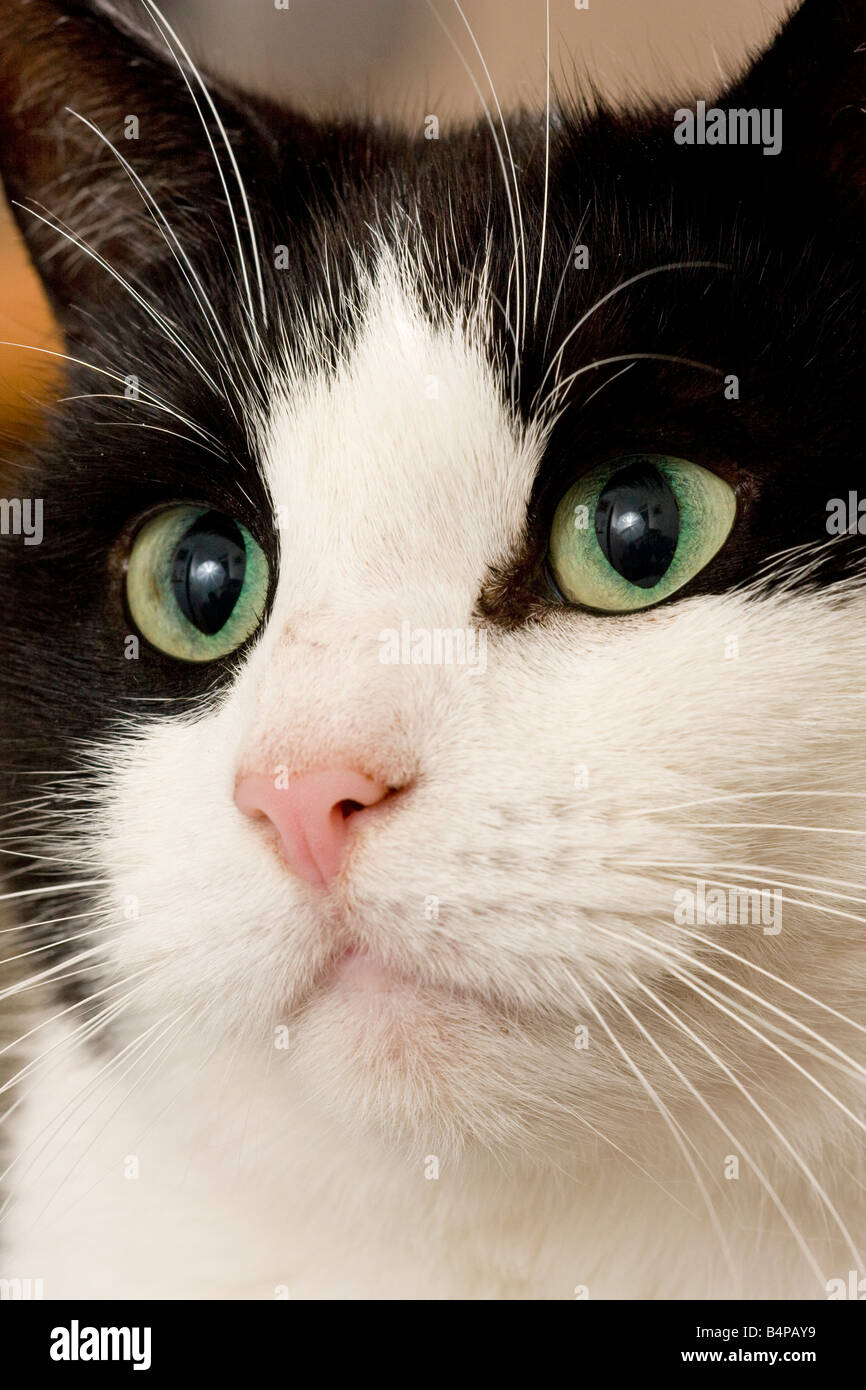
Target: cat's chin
x,y
397,1055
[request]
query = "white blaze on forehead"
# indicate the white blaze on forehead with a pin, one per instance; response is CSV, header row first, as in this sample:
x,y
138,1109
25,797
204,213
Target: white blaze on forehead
x,y
403,467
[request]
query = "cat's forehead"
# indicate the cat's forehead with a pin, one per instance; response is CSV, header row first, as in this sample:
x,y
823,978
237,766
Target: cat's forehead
x,y
404,454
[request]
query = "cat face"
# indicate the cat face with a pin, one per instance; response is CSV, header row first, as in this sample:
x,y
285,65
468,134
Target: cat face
x,y
435,804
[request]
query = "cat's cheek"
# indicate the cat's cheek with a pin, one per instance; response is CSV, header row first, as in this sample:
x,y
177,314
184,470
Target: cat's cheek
x,y
196,911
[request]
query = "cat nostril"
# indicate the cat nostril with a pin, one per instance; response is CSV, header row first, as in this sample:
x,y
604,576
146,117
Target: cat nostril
x,y
348,807
315,816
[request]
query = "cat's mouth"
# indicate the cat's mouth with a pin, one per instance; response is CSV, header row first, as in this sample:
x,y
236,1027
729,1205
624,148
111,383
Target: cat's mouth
x,y
357,973
361,975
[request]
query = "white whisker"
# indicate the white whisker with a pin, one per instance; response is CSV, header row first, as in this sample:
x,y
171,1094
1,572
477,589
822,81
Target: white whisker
x,y
165,29
138,1054
56,888
759,1174
167,231
715,998
673,1125
553,365
56,225
771,1125
515,183
546,167
513,215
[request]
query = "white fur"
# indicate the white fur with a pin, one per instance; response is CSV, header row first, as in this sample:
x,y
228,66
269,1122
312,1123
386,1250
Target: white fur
x,y
265,1170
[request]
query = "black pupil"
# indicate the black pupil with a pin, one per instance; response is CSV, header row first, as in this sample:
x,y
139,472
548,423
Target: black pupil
x,y
637,522
207,571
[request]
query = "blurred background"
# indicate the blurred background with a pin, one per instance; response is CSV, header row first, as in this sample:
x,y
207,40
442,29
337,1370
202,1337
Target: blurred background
x,y
395,59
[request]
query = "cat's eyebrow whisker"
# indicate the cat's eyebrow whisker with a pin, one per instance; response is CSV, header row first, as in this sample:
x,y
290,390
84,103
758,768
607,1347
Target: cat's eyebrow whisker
x,y
50,771
561,283
471,274
678,1133
56,225
151,405
159,429
325,262
12,875
31,808
562,386
198,698
34,816
176,48
146,397
202,299
516,184
513,215
688,1032
546,166
611,379
555,361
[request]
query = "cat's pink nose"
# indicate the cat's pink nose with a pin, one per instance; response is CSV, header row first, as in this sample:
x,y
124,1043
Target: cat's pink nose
x,y
314,815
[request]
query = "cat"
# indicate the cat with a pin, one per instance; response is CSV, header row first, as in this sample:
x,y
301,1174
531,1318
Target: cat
x,y
349,972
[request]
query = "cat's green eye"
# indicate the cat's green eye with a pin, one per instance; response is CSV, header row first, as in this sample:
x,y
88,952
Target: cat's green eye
x,y
196,583
631,532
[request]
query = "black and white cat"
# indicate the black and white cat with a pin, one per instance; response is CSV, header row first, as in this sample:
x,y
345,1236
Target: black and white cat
x,y
435,597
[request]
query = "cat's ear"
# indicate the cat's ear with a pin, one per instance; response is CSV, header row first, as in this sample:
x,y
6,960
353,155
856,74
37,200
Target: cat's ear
x,y
106,136
815,75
